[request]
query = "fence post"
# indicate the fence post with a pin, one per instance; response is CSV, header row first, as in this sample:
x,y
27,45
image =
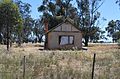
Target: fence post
x,y
24,61
93,67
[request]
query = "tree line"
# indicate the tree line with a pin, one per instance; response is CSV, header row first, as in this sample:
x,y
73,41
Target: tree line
x,y
17,25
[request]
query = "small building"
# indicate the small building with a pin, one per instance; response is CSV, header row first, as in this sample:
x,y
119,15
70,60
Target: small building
x,y
64,36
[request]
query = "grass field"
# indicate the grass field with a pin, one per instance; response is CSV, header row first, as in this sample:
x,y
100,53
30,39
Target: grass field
x,y
69,64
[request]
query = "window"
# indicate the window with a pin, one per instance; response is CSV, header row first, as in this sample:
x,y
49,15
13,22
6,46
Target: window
x,y
66,40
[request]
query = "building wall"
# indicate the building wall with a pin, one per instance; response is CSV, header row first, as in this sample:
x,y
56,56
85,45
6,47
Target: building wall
x,y
53,40
66,27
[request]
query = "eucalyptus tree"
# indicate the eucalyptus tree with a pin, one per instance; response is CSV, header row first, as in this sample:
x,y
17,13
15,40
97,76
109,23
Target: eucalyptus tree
x,y
38,30
118,2
28,21
97,35
113,29
88,17
55,11
9,18
85,15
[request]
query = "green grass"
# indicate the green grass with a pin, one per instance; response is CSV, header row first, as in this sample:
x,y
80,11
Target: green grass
x,y
59,65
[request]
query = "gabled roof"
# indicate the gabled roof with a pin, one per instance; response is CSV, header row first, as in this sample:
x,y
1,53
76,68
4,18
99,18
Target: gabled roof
x,y
66,20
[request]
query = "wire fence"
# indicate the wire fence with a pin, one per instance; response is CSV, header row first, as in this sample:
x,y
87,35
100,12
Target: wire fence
x,y
60,66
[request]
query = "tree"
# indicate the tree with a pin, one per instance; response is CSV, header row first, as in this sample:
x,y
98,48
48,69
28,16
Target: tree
x,y
118,22
85,16
57,11
118,2
98,34
113,30
88,17
38,30
54,12
17,33
9,18
28,21
27,28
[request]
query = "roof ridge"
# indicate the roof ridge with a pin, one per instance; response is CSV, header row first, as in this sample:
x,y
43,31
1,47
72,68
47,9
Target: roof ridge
x,y
67,19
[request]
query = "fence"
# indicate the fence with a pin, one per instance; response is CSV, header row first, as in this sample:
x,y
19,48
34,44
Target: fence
x,y
53,65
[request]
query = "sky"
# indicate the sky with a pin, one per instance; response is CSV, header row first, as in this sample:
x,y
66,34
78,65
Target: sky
x,y
109,10
35,4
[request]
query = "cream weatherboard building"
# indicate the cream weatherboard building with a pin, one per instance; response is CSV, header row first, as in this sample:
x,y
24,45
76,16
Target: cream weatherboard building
x,y
64,36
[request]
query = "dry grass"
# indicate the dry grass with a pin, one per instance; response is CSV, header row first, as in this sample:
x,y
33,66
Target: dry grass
x,y
103,47
43,64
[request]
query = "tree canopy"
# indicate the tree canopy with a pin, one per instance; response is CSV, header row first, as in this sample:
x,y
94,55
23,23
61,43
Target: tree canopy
x,y
85,15
9,18
113,30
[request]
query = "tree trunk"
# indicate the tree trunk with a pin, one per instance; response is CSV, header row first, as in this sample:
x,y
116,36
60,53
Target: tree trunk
x,y
40,38
11,40
86,40
46,41
46,35
113,40
1,38
19,40
8,41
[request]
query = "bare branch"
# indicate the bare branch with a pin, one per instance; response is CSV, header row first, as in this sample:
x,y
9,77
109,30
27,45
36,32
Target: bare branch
x,y
98,7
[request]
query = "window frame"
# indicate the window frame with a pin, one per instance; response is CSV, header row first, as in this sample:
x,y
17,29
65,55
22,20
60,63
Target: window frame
x,y
68,39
